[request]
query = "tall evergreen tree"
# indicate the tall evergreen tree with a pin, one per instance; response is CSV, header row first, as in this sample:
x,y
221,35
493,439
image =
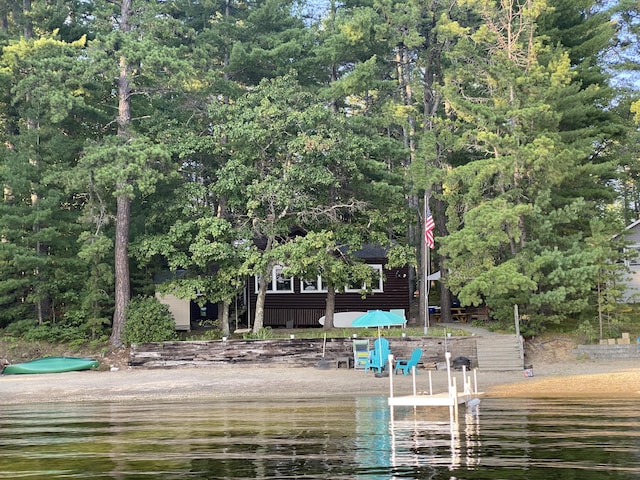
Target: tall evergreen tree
x,y
41,135
145,57
514,240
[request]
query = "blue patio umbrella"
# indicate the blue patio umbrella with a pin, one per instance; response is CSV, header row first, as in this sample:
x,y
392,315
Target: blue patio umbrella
x,y
378,318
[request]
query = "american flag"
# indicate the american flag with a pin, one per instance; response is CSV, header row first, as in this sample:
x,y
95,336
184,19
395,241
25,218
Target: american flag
x,y
429,226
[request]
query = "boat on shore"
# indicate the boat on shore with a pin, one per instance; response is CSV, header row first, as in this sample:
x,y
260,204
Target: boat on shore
x,y
51,365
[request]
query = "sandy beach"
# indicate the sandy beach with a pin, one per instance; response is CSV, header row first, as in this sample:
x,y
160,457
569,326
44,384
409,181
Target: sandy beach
x,y
568,378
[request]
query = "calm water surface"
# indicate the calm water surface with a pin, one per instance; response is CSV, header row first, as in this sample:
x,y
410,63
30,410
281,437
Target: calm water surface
x,y
326,438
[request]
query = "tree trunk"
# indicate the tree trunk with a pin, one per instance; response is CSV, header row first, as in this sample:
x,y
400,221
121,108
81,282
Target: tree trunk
x,y
330,307
445,293
122,292
123,201
27,26
224,318
258,321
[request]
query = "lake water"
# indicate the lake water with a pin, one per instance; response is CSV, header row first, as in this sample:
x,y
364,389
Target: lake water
x,y
343,438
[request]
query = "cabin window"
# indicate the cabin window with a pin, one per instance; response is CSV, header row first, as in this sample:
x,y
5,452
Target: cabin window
x,y
377,288
278,283
315,285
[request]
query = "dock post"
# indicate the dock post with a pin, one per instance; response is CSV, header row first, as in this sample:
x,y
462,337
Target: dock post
x,y
391,388
455,399
475,381
451,394
390,376
464,378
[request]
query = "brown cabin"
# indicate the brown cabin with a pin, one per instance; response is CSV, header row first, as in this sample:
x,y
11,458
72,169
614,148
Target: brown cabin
x,y
294,302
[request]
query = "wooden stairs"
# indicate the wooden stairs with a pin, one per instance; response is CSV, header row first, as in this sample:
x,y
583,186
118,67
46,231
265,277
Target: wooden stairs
x,y
499,353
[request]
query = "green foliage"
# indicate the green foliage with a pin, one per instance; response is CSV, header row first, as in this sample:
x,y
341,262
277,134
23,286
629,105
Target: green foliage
x,y
518,201
74,329
38,266
19,328
88,327
53,333
532,325
587,330
314,139
262,334
56,333
211,334
148,320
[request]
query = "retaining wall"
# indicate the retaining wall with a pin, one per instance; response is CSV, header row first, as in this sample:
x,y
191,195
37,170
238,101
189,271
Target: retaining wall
x,y
288,352
609,352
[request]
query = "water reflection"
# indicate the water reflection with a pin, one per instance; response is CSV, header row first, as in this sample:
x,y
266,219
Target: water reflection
x,y
341,438
421,438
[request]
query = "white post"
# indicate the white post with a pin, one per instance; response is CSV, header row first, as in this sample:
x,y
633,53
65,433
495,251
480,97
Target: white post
x,y
475,381
391,413
455,399
464,378
413,373
426,289
390,377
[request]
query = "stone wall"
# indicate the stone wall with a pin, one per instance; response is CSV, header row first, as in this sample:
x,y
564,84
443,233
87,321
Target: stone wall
x,y
288,352
608,352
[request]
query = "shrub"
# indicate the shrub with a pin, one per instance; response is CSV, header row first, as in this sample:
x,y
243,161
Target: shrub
x,y
148,320
20,327
587,331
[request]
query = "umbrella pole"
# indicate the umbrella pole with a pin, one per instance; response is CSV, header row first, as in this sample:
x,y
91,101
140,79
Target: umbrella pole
x,y
323,364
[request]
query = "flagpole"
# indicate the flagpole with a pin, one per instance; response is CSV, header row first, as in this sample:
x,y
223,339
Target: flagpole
x,y
426,308
426,266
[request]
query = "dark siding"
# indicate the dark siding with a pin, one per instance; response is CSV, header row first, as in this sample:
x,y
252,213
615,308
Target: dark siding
x,y
304,309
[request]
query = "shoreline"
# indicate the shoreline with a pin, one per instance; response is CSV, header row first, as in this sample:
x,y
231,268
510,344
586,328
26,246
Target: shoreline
x,y
568,379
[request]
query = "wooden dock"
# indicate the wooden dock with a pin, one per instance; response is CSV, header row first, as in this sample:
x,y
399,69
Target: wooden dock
x,y
451,398
434,400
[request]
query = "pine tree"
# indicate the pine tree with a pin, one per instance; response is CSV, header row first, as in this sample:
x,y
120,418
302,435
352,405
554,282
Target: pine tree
x,y
515,238
41,135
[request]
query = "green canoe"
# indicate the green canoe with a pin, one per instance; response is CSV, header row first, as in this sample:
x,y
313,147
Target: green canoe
x,y
51,365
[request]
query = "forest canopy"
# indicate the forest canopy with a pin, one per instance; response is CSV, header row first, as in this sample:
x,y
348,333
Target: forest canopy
x,y
224,138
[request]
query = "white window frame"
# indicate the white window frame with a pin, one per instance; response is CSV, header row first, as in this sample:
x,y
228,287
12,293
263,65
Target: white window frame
x,y
276,272
320,287
380,288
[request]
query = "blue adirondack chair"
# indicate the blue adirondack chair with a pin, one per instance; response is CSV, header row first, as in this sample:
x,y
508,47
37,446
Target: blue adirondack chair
x,y
379,356
406,365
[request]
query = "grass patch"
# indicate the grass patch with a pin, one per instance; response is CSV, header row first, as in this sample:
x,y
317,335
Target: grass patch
x,y
311,333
